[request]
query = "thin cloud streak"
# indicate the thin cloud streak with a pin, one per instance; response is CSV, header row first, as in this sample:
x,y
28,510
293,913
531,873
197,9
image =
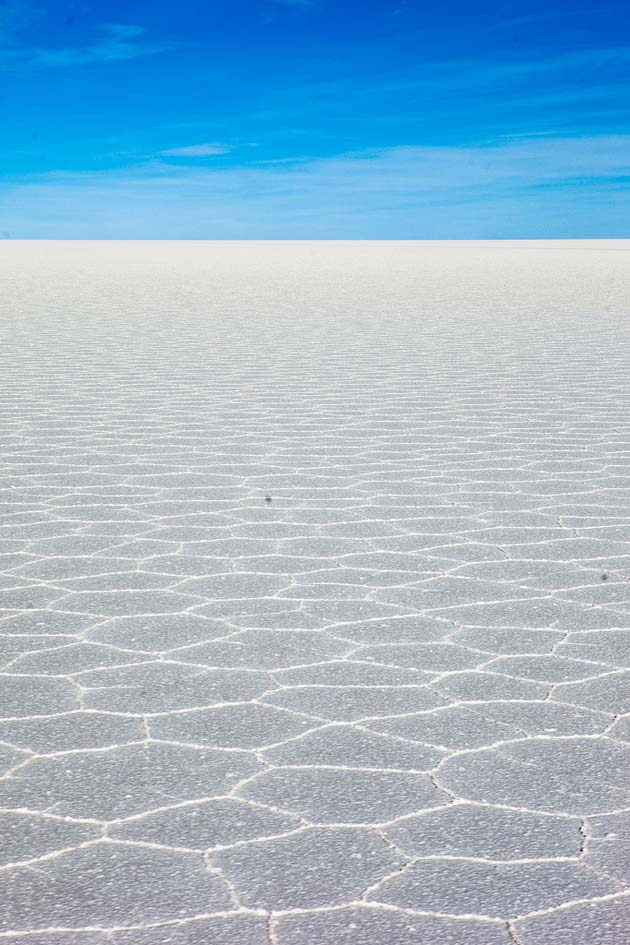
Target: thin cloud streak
x,y
411,192
197,150
121,41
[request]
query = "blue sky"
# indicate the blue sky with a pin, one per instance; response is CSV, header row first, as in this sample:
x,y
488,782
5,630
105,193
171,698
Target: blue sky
x,y
293,119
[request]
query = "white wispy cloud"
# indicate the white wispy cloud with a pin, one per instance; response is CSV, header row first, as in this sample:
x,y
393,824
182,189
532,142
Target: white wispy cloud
x,y
515,188
197,150
118,41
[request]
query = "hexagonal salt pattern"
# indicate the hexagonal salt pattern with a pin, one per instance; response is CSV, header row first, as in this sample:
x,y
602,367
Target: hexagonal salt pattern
x,y
315,594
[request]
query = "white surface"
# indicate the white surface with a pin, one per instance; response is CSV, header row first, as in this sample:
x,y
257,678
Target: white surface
x,y
391,705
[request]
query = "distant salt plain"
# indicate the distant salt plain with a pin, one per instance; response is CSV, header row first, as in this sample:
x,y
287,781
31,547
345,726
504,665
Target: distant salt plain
x,y
315,593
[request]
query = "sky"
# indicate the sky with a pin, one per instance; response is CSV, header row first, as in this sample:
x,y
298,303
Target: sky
x,y
314,119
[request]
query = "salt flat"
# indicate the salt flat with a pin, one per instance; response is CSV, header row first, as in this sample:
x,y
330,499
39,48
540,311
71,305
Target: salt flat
x,y
315,593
